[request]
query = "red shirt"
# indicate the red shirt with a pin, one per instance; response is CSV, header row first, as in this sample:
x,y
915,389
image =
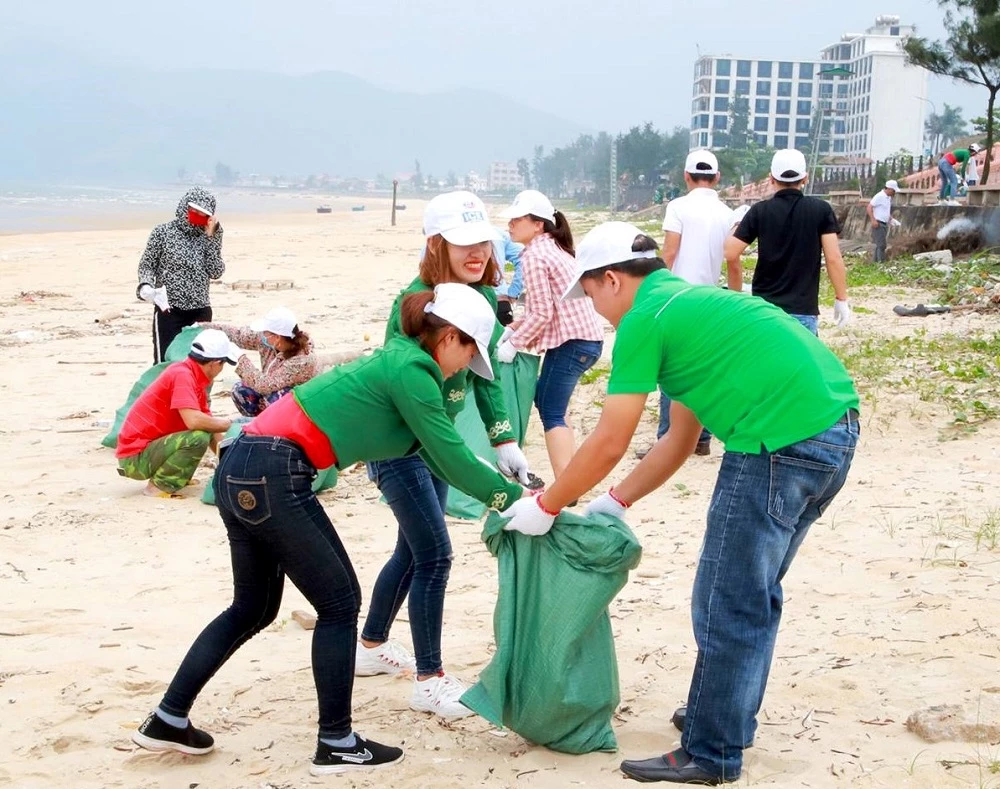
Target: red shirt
x,y
157,411
286,419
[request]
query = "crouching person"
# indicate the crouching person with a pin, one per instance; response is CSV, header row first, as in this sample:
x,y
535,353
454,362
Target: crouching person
x,y
169,427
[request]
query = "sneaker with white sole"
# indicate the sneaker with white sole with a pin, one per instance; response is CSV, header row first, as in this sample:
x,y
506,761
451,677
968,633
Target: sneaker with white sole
x,y
156,734
439,695
363,755
389,657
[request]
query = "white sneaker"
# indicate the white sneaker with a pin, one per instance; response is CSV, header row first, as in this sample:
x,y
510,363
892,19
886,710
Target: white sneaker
x,y
439,695
389,657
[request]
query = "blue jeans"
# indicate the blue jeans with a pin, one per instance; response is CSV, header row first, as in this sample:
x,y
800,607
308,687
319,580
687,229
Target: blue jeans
x,y
949,179
761,509
811,322
421,562
561,371
664,425
277,527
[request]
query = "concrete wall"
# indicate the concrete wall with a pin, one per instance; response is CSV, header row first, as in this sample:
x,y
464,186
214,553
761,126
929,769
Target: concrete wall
x,y
855,225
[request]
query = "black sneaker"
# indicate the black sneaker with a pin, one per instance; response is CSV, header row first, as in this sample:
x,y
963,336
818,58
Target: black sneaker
x,y
364,754
156,734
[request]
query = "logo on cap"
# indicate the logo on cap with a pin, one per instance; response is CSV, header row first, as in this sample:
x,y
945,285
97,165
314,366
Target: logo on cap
x,y
473,216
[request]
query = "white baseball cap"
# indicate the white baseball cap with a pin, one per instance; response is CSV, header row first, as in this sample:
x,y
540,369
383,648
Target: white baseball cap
x,y
280,321
531,202
467,310
213,344
892,185
975,147
603,246
200,208
460,217
788,166
701,162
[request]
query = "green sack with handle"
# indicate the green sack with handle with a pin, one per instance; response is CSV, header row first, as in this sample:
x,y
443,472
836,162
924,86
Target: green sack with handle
x,y
518,380
554,676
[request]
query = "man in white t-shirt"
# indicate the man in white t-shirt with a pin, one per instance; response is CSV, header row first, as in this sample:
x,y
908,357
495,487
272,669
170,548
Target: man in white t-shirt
x,y
880,212
695,229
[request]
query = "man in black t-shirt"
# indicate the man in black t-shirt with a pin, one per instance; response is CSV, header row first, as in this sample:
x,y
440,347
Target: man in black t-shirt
x,y
794,233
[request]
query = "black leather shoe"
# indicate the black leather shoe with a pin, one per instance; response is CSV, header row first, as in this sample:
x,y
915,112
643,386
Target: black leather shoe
x,y
703,448
675,767
679,717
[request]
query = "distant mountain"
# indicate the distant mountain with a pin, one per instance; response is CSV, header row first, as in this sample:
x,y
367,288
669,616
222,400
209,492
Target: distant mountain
x,y
66,117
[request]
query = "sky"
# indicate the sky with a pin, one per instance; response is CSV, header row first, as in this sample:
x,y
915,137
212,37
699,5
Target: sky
x,y
605,64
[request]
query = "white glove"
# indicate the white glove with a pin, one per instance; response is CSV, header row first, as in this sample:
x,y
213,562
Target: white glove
x,y
507,334
895,222
512,462
841,312
157,296
506,352
606,504
527,516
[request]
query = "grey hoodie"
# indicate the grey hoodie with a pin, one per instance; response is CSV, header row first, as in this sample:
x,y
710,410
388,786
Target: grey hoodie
x,y
183,257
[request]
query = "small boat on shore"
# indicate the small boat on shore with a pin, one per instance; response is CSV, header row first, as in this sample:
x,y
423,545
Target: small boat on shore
x,y
324,209
400,206
357,208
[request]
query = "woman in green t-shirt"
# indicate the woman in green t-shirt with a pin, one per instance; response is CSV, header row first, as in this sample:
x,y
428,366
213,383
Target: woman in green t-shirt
x,y
458,249
385,405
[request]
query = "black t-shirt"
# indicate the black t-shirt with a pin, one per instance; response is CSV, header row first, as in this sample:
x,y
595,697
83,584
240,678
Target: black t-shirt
x,y
788,228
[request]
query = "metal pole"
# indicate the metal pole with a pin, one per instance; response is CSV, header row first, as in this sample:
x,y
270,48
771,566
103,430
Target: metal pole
x,y
395,185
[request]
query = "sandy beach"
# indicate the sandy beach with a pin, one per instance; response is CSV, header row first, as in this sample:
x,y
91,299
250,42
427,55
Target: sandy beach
x,y
891,605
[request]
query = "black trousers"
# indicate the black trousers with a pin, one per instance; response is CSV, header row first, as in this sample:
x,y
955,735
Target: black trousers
x,y
167,325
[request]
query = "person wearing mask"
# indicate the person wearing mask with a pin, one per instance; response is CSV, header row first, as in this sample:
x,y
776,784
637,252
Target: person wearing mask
x,y
568,333
786,411
180,259
386,405
458,250
286,359
794,233
170,426
879,212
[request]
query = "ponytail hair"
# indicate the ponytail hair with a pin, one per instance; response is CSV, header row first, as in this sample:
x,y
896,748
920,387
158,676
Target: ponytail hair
x,y
301,343
422,325
559,230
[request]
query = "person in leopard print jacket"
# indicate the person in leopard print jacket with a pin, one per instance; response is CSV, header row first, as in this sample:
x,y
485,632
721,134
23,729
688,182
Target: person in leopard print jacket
x,y
181,257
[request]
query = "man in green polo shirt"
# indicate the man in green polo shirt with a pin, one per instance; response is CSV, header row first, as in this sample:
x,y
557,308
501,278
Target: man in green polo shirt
x,y
786,411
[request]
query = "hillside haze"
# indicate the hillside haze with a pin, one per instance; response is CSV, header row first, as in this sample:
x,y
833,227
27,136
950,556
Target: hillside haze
x,y
69,118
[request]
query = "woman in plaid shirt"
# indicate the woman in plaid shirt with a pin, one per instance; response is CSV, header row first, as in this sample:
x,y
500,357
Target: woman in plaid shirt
x,y
567,331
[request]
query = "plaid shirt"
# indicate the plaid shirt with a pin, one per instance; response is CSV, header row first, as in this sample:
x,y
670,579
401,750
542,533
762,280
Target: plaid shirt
x,y
549,322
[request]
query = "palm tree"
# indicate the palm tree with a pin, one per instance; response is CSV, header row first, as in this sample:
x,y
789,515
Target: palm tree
x,y
941,129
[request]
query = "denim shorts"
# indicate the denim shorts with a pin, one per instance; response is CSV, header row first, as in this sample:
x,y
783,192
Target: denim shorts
x,y
561,371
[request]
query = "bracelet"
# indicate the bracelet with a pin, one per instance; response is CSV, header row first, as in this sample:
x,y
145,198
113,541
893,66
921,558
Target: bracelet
x,y
618,499
538,501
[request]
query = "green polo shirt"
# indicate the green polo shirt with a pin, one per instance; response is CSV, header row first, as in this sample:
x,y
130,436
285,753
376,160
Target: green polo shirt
x,y
389,405
750,372
488,394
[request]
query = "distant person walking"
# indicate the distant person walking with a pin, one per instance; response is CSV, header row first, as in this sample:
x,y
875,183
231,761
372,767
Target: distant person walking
x,y
181,257
794,233
879,213
946,167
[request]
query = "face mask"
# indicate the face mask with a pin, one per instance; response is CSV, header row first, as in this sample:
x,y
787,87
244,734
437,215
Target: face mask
x,y
197,218
267,342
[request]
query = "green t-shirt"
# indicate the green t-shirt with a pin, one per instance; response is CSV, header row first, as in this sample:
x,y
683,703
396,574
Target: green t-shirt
x,y
389,405
489,394
750,372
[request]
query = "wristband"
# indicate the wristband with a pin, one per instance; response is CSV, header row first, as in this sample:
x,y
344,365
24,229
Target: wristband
x,y
538,501
618,499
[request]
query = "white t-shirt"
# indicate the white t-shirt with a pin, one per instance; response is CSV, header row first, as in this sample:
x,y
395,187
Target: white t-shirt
x,y
881,205
703,222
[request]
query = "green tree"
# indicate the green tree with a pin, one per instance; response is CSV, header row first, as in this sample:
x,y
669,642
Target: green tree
x,y
737,136
224,175
536,161
941,129
417,179
970,52
979,124
524,170
451,181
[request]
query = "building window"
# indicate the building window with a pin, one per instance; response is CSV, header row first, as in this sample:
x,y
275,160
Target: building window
x,y
760,139
764,68
781,124
722,86
801,142
704,140
720,122
825,90
838,146
804,108
742,68
702,122
722,68
802,125
839,127
762,106
693,143
805,70
842,89
780,141
721,104
783,107
742,87
894,30
763,87
805,90
824,146
784,88
785,70
760,124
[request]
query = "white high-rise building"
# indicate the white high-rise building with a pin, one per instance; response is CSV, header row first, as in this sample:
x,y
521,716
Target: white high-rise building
x,y
505,177
871,101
